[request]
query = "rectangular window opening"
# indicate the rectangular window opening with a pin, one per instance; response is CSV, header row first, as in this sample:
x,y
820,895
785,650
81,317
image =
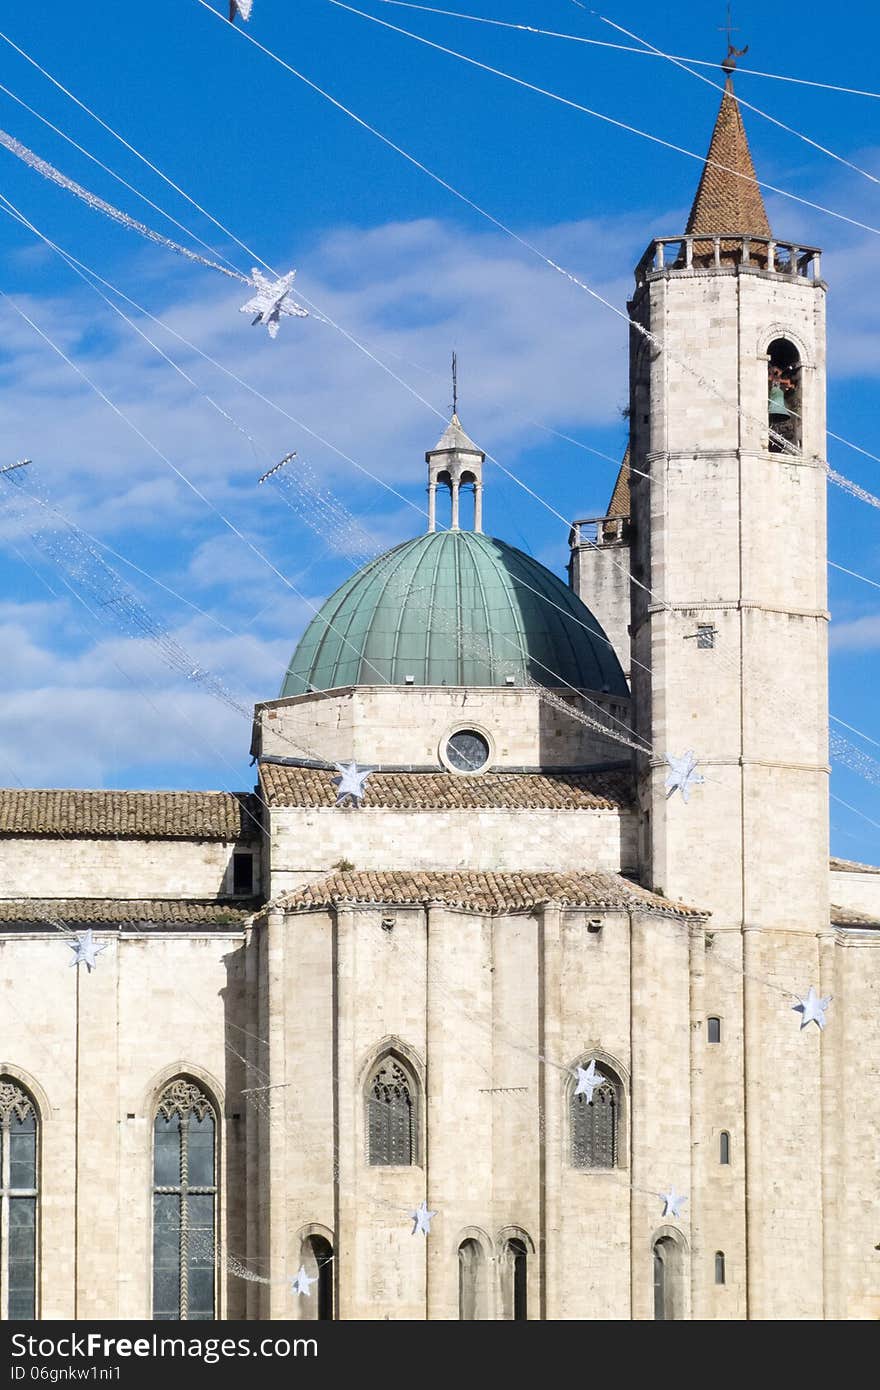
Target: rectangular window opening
x,y
242,874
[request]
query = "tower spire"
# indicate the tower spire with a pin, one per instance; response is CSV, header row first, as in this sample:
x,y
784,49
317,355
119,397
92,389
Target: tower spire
x,y
728,198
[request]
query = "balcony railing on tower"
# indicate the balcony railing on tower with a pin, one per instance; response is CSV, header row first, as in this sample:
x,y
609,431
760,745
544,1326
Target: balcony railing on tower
x,y
702,251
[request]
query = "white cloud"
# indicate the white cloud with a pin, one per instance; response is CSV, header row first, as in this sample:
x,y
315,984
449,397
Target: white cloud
x,y
857,635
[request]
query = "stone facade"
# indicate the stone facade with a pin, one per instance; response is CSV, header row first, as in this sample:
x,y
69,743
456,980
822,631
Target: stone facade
x,y
478,936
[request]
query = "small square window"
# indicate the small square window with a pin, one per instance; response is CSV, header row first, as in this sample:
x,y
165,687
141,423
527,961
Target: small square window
x,y
242,874
706,634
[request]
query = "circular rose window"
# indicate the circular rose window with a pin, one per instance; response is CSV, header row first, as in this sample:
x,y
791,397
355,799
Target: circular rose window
x,y
466,751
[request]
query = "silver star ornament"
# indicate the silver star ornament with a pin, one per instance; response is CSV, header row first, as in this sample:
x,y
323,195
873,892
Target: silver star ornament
x,y
813,1008
587,1081
672,1202
682,775
421,1218
272,301
86,950
301,1282
351,783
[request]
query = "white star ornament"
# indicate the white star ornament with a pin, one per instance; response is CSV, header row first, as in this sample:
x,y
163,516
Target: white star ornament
x,y
672,1202
682,775
421,1218
587,1081
301,1282
86,949
272,301
351,782
813,1008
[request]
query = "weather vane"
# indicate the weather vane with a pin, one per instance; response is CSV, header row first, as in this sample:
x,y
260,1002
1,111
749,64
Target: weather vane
x,y
732,53
454,384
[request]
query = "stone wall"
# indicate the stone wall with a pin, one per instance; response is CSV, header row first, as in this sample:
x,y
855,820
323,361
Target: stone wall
x,y
43,867
394,726
306,844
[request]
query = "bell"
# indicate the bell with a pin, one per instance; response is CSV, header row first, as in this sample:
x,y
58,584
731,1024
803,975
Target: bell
x,y
778,409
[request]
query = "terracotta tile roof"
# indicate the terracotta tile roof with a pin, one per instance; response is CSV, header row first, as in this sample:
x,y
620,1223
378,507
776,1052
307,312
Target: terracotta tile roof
x,y
113,912
728,197
483,892
850,866
849,917
130,815
444,791
620,498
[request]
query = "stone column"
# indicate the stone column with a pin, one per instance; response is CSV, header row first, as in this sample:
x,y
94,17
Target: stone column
x,y
478,506
833,1171
252,1138
699,1136
553,1092
432,506
454,490
277,1137
345,1162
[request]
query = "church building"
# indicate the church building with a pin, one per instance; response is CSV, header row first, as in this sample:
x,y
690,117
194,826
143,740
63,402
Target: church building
x,y
522,984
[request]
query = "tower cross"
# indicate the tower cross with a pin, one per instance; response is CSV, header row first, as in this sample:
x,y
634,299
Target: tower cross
x,y
732,51
454,384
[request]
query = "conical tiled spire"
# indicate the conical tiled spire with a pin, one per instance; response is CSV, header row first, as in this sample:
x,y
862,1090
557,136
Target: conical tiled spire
x,y
728,197
620,500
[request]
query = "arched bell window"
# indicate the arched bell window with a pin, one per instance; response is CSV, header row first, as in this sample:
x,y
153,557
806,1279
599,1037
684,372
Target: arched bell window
x,y
784,413
184,1205
392,1114
19,1197
595,1123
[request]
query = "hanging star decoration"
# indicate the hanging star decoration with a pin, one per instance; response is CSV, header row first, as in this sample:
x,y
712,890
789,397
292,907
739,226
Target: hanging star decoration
x,y
813,1008
301,1283
672,1202
86,950
421,1219
351,783
271,301
242,7
682,775
588,1080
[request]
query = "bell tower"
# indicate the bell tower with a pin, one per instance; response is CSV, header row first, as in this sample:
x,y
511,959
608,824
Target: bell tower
x,y
729,631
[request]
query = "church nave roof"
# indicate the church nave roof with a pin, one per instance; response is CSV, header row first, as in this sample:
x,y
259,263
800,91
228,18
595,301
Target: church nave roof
x,y
162,914
486,893
140,815
285,785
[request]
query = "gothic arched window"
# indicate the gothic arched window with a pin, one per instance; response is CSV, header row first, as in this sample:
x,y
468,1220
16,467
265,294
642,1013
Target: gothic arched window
x,y
392,1115
184,1205
18,1202
595,1124
472,1273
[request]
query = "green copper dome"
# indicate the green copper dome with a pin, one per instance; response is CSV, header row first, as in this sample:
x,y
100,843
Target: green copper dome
x,y
454,608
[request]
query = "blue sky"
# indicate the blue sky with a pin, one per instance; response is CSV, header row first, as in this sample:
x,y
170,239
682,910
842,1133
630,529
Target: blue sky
x,y
410,272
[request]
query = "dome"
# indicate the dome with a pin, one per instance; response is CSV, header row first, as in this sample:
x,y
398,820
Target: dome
x,y
454,608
